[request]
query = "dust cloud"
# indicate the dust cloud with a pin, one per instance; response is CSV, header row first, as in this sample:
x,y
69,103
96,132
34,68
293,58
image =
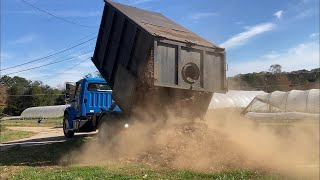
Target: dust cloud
x,y
224,141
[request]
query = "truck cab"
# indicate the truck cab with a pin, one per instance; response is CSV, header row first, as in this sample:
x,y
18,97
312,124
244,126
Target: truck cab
x,y
87,99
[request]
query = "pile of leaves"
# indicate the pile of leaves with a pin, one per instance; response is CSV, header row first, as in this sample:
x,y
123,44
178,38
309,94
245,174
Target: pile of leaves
x,y
190,146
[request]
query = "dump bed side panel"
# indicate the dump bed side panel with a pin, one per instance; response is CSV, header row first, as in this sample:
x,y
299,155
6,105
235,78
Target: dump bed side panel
x,y
120,42
172,60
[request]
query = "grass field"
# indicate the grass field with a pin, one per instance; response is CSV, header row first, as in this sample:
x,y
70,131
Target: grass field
x,y
33,123
128,172
9,135
44,162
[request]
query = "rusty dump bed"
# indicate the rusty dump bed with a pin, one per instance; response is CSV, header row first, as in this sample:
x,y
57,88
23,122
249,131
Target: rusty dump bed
x,y
144,54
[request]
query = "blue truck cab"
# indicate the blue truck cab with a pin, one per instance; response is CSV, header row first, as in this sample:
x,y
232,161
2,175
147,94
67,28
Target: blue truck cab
x,y
88,99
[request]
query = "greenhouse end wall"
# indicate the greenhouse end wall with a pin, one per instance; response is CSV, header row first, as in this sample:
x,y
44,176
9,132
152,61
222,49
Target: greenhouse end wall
x,y
44,112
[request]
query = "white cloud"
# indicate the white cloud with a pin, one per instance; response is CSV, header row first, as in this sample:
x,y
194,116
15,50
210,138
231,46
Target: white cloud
x,y
24,39
197,16
278,14
244,37
314,35
302,56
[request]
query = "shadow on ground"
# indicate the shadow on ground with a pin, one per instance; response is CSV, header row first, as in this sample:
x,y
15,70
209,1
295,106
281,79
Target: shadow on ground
x,y
40,153
38,141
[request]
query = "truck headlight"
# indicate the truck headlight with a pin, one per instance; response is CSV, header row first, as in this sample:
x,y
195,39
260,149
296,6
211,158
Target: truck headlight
x,y
126,126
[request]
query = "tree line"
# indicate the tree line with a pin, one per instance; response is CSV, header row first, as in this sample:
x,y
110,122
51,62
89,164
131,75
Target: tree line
x,y
276,80
18,93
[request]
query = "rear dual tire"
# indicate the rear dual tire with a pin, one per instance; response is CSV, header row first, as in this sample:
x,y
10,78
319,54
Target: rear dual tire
x,y
108,127
105,129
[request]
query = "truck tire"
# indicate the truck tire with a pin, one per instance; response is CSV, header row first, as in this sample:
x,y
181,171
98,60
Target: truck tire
x,y
107,128
67,133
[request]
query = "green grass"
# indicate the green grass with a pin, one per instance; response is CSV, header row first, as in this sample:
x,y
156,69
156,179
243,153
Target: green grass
x,y
70,173
128,172
9,135
33,123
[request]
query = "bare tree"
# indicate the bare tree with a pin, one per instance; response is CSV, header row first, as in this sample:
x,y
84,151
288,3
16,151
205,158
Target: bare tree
x,y
275,68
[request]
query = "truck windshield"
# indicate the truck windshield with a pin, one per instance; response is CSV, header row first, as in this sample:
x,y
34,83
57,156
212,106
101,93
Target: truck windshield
x,y
98,87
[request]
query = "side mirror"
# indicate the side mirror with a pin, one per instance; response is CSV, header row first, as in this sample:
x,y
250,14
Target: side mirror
x,y
67,87
69,90
67,96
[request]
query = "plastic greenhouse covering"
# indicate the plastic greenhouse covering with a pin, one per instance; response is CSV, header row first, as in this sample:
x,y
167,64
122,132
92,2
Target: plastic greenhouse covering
x,y
293,104
44,112
233,99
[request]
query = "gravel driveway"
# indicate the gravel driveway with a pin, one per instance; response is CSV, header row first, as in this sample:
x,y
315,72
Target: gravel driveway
x,y
45,135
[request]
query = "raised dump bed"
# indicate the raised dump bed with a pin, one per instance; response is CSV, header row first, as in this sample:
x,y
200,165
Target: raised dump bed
x,y
156,65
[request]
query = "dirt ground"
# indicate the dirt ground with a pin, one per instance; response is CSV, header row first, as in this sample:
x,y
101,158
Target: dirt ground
x,y
45,135
226,144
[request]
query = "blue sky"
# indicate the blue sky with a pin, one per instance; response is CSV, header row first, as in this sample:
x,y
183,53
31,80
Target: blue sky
x,y
255,34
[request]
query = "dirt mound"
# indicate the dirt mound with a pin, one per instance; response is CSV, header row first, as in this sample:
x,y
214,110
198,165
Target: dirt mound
x,y
221,143
189,146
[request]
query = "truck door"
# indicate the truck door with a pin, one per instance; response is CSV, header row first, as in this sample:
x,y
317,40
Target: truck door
x,y
77,102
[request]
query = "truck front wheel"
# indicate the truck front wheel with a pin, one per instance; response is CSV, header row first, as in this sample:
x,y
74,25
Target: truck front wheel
x,y
66,128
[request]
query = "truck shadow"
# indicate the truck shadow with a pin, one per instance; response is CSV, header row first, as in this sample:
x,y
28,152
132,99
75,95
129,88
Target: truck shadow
x,y
41,152
39,141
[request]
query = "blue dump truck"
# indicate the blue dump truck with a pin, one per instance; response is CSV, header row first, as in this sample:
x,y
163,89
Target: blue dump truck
x,y
154,67
88,98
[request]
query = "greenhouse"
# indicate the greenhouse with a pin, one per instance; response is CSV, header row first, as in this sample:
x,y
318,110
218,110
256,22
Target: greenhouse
x,y
256,104
294,104
233,99
44,112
